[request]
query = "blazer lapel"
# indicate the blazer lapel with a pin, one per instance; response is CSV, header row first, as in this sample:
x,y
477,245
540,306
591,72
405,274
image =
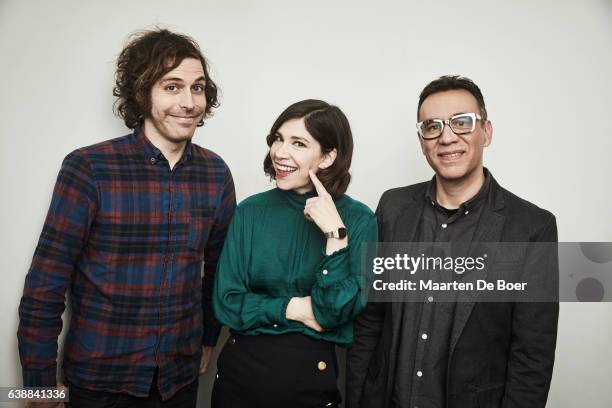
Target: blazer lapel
x,y
489,230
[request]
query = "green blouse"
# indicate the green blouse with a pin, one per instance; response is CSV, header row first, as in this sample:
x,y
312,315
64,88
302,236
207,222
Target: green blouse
x,y
273,253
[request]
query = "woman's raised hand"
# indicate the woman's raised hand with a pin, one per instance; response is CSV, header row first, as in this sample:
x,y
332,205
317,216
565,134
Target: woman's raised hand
x,y
321,209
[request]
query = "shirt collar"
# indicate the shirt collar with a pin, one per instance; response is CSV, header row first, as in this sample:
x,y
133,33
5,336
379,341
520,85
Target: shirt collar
x,y
151,153
298,201
469,205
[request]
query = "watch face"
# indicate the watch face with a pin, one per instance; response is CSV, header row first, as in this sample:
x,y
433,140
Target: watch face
x,y
341,232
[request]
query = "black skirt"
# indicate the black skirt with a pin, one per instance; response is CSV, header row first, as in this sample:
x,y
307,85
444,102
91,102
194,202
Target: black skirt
x,y
286,370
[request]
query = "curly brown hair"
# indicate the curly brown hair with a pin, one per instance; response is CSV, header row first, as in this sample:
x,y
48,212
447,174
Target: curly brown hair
x,y
148,56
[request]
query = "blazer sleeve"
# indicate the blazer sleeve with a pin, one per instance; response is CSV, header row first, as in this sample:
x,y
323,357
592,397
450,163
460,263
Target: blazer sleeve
x,y
534,337
367,329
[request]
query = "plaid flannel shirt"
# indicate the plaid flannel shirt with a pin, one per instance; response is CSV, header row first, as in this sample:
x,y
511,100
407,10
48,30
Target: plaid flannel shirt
x,y
127,236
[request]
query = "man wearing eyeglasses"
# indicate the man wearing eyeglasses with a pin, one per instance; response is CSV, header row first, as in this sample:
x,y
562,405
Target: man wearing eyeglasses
x,y
455,354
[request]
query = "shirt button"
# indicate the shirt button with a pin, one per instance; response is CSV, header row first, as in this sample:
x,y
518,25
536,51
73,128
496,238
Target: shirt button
x,y
324,272
467,212
430,299
424,336
419,373
444,225
152,159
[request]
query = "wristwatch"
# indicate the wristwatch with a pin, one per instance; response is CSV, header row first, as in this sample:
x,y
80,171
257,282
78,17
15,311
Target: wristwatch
x,y
338,234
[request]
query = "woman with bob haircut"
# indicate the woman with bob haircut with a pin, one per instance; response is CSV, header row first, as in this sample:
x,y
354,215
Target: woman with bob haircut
x,y
289,281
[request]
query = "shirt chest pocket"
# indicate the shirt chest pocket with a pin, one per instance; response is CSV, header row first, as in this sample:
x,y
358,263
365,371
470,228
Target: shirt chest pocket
x,y
201,223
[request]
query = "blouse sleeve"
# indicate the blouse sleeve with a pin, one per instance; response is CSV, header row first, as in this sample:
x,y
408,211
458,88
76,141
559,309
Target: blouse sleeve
x,y
233,302
340,290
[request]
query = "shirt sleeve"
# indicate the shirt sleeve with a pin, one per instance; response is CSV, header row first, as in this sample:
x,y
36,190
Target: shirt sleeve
x,y
235,305
341,287
72,210
224,214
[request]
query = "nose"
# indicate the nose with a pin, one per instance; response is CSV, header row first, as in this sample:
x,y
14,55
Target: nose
x,y
281,151
447,136
186,101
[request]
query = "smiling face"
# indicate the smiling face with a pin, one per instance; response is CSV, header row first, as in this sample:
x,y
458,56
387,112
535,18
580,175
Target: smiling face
x,y
178,102
293,152
454,157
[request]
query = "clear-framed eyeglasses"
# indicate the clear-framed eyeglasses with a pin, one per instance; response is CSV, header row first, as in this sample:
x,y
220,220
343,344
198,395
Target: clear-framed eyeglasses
x,y
460,124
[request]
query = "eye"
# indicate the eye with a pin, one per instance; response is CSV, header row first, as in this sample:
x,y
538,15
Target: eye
x,y
299,144
171,88
432,126
277,138
462,122
198,88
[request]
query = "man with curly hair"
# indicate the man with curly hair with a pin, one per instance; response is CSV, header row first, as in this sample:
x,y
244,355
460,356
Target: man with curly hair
x,y
131,222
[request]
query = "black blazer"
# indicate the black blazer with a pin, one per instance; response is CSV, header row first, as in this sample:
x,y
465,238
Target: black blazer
x,y
501,354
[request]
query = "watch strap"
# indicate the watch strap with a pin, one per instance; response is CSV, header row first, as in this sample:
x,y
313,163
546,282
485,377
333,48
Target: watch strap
x,y
337,233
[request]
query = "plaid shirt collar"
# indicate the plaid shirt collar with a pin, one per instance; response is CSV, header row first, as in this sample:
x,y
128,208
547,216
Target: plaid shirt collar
x,y
151,153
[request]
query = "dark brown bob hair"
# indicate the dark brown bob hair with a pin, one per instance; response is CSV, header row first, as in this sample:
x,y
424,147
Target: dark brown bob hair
x,y
148,56
327,125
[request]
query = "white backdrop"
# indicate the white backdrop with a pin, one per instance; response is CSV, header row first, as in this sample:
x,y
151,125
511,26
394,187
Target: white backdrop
x,y
544,68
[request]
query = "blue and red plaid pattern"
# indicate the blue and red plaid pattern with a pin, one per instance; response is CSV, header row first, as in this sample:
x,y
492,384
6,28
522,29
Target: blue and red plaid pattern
x,y
127,236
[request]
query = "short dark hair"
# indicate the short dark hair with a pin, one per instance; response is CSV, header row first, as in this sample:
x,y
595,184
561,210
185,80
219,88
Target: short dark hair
x,y
329,126
451,82
148,56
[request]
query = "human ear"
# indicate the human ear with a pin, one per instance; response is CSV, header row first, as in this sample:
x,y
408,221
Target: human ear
x,y
328,159
488,133
422,144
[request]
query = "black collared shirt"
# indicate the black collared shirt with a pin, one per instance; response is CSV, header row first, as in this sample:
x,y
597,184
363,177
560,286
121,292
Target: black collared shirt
x,y
426,328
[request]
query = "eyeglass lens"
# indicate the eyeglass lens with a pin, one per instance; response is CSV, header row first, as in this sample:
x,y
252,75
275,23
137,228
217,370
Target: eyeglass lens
x,y
460,124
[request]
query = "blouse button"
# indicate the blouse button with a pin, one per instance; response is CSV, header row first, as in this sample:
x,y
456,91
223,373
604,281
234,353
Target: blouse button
x,y
324,272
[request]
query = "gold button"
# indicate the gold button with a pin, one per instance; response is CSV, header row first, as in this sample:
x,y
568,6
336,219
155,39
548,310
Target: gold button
x,y
321,366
